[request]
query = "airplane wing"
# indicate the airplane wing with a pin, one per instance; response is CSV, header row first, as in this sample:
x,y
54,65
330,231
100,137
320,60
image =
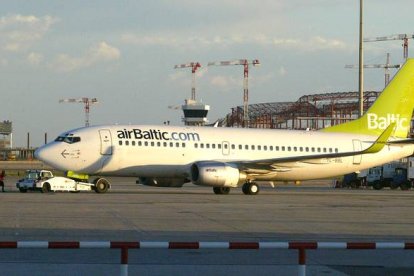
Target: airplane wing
x,y
286,163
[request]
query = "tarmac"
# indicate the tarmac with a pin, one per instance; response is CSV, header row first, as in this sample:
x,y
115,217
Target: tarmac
x,y
313,211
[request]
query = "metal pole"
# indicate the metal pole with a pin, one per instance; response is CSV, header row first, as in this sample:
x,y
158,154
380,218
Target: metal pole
x,y
361,60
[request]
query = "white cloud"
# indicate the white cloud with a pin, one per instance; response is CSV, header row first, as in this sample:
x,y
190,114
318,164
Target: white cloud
x,y
102,52
183,41
35,58
20,32
226,82
282,71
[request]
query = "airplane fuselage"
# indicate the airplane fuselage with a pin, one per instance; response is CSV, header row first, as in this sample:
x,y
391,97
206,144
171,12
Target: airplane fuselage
x,y
167,151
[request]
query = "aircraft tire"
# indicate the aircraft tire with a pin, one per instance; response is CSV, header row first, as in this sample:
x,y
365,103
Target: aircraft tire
x,y
46,188
101,185
250,189
221,190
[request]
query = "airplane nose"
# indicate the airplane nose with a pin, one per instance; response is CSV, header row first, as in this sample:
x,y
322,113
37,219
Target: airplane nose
x,y
44,153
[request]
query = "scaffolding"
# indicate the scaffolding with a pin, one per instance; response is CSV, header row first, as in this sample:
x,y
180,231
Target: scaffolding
x,y
308,112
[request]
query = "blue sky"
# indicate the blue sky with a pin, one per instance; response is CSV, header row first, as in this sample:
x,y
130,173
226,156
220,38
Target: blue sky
x,y
123,53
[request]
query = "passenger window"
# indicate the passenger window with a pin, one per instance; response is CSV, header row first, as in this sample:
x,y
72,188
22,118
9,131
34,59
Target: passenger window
x,y
246,147
240,147
171,144
324,149
133,143
252,147
277,148
219,146
165,144
139,143
307,149
264,147
233,147
289,148
152,144
319,149
313,149
271,148
177,145
202,145
259,147
301,149
126,143
213,146
196,145
120,142
183,145
283,148
226,146
158,144
295,148
336,150
146,143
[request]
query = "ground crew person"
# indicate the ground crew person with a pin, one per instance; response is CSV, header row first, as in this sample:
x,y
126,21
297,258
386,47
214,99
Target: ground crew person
x,y
2,175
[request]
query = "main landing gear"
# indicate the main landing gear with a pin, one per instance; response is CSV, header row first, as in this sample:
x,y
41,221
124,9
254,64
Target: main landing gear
x,y
249,188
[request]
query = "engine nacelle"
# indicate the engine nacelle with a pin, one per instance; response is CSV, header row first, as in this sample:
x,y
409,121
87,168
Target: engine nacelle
x,y
216,174
162,182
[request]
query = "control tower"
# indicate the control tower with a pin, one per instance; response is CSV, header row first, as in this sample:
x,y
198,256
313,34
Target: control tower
x,y
195,113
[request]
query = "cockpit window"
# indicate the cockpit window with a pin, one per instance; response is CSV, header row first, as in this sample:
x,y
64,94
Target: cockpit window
x,y
69,138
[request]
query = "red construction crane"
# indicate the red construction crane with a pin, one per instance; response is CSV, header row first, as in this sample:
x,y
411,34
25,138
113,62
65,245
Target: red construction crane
x,y
194,66
386,66
245,63
86,101
403,37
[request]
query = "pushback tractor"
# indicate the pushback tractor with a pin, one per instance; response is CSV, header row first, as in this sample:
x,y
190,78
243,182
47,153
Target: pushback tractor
x,y
45,181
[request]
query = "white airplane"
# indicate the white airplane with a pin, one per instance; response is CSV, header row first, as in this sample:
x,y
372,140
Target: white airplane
x,y
224,158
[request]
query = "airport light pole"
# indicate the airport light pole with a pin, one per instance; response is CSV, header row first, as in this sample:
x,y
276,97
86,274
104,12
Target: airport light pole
x,y
361,60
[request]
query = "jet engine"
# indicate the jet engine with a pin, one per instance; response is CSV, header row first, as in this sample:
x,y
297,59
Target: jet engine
x,y
216,174
162,182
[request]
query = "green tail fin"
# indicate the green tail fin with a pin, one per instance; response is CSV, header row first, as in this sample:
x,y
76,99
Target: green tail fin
x,y
394,105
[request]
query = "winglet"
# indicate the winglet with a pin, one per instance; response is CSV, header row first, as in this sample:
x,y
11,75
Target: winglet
x,y
379,144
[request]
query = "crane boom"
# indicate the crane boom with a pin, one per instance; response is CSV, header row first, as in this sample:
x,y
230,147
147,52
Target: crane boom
x,y
87,103
403,37
245,63
194,66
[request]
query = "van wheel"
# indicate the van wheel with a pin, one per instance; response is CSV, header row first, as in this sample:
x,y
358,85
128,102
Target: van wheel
x,y
46,188
101,185
405,185
377,185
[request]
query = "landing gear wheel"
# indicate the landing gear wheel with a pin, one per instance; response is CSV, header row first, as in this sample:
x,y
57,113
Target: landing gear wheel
x,y
46,188
101,185
250,189
221,190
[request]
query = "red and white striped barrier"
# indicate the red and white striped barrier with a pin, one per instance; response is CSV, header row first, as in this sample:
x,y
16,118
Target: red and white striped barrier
x,y
203,245
125,246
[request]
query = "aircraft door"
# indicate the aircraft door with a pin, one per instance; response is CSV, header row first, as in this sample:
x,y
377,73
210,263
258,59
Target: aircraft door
x,y
106,141
357,147
225,147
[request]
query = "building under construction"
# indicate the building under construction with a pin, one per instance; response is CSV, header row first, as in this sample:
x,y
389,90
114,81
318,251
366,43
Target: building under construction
x,y
308,112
